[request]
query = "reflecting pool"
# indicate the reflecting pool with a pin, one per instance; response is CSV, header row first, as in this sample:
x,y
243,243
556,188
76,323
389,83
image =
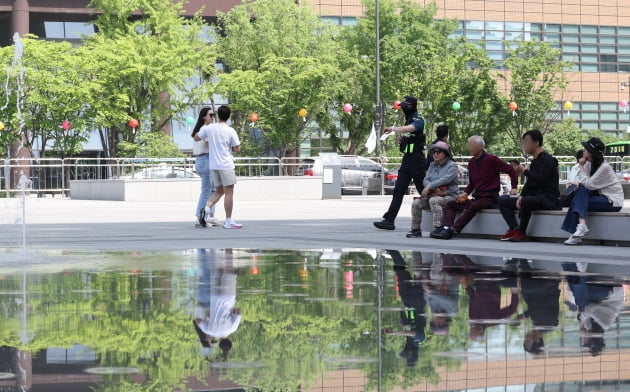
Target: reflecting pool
x,y
312,320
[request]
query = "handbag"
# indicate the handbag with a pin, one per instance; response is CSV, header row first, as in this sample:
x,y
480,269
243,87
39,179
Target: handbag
x,y
440,191
565,198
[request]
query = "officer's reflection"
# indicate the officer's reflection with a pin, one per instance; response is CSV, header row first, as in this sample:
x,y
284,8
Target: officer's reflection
x,y
413,319
216,318
598,307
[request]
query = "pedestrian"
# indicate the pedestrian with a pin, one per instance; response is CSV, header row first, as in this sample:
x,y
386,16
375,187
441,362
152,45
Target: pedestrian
x,y
440,187
484,170
597,189
202,167
412,141
540,191
223,142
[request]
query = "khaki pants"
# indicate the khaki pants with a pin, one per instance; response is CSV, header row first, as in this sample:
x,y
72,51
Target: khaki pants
x,y
435,204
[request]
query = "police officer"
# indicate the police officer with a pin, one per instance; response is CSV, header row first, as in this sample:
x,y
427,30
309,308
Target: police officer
x,y
414,163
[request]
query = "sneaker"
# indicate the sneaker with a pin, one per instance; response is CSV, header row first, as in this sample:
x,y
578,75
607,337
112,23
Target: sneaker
x,y
212,221
580,231
508,234
384,225
518,236
414,234
436,233
232,225
202,219
445,234
573,240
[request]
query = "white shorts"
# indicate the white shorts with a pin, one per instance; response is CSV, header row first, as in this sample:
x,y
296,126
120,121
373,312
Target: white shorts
x,y
223,177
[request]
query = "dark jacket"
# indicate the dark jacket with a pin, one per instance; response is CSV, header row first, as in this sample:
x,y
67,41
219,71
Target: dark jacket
x,y
542,178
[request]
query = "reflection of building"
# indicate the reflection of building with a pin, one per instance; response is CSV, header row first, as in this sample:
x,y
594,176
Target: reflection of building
x,y
592,34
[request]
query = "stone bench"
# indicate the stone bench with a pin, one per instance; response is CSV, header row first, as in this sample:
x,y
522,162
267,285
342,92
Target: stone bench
x,y
607,228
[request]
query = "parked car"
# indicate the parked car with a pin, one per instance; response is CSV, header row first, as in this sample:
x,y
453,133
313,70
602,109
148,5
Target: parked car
x,y
354,170
624,176
161,171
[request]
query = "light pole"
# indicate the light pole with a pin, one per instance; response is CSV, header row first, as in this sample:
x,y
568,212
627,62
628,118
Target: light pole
x,y
623,86
379,107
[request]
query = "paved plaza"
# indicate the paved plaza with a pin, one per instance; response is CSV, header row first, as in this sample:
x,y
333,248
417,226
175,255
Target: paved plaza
x,y
57,223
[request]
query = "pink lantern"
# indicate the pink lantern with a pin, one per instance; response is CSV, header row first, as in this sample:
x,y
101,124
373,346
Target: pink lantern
x,y
65,124
624,104
347,108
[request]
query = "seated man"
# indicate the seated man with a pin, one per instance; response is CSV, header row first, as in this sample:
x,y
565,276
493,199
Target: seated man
x,y
483,182
440,187
540,191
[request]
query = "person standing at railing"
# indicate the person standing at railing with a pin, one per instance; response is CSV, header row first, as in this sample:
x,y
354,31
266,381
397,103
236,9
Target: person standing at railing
x,y
202,167
414,165
223,142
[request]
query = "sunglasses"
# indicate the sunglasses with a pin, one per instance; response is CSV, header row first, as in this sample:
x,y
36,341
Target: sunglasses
x,y
211,114
437,151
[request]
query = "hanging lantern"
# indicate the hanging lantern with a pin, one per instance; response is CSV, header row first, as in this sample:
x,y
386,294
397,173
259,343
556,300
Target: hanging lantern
x,y
396,105
513,106
347,108
133,123
456,106
624,104
253,117
568,105
190,121
303,113
1,126
65,124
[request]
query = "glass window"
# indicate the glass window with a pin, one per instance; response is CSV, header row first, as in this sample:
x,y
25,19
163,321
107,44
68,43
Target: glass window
x,y
590,125
473,34
589,39
552,37
348,21
589,48
589,58
624,50
552,27
590,106
496,55
624,30
609,126
608,116
78,29
624,67
608,106
516,35
570,57
624,59
570,48
607,67
513,26
624,40
474,25
589,29
534,27
494,35
54,30
607,49
607,39
572,38
607,30
570,28
334,20
536,36
608,58
494,45
494,26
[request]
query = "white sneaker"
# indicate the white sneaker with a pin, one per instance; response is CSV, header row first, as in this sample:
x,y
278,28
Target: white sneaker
x,y
232,225
573,240
212,221
581,230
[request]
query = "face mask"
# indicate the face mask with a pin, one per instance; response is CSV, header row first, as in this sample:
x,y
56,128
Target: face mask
x,y
407,108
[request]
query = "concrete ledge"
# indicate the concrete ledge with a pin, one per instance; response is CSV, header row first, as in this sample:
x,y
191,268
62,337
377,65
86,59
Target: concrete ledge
x,y
611,228
187,189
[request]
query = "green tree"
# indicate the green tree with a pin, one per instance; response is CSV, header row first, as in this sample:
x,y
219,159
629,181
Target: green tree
x,y
535,77
282,58
144,65
151,145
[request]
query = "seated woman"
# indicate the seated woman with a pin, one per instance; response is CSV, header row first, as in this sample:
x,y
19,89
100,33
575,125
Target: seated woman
x,y
598,189
440,187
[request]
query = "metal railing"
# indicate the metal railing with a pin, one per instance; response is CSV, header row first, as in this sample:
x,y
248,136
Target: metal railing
x,y
53,175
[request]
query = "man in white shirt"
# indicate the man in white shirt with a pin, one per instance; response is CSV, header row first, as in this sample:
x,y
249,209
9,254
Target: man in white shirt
x,y
222,143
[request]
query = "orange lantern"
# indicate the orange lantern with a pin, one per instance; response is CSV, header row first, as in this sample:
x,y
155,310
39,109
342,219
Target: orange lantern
x,y
133,123
253,117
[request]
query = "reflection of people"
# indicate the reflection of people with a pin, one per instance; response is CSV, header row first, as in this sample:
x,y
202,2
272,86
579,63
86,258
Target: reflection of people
x,y
542,297
441,290
412,319
413,165
598,306
216,318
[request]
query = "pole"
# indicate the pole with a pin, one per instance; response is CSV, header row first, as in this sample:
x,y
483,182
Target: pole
x,y
379,108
